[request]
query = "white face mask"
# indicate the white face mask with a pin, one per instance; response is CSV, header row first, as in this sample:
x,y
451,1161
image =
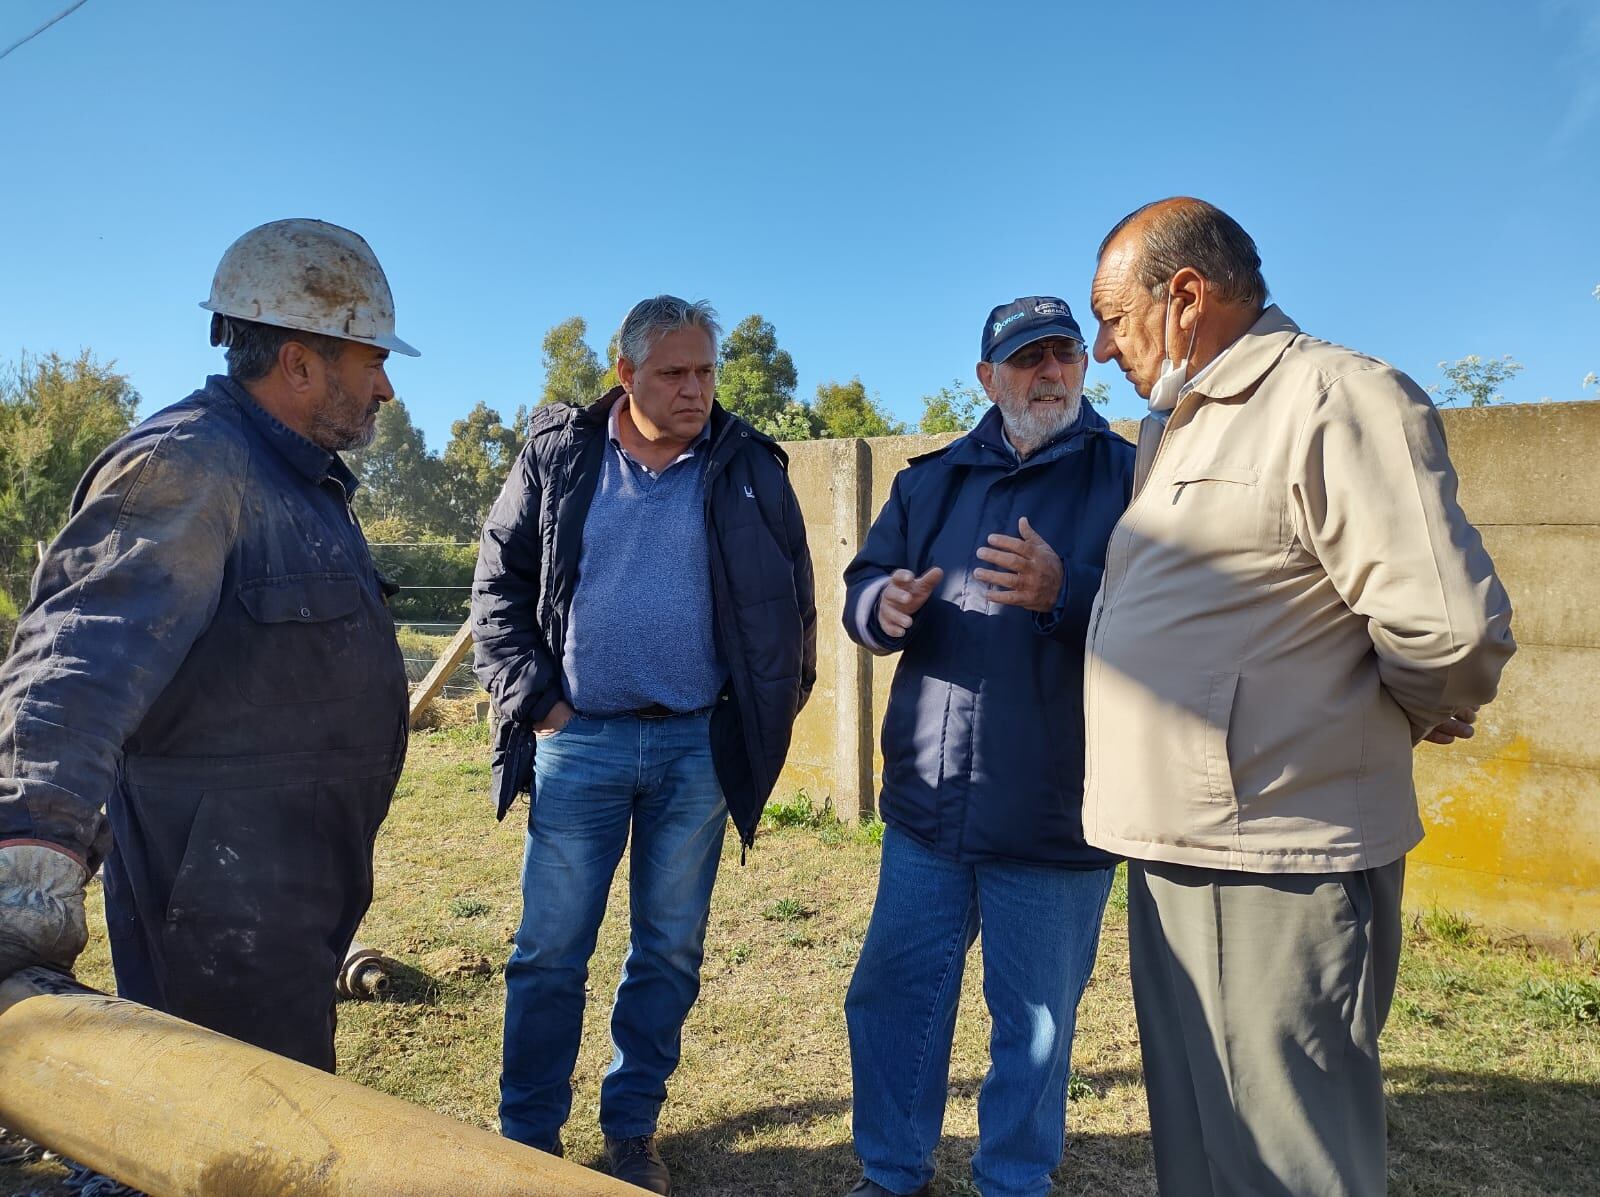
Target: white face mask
x,y
1168,388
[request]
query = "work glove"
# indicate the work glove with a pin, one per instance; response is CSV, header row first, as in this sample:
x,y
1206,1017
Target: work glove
x,y
41,907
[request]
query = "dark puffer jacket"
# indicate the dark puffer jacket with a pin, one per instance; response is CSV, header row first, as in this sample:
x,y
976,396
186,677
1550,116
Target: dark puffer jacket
x,y
983,738
761,584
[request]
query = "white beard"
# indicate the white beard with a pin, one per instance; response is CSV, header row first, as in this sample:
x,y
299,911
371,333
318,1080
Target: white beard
x,y
1029,425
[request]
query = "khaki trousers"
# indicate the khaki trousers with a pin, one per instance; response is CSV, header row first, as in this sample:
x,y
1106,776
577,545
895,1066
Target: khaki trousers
x,y
1260,998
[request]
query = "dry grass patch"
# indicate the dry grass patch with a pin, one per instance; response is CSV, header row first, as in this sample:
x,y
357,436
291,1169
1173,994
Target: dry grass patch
x,y
1492,1052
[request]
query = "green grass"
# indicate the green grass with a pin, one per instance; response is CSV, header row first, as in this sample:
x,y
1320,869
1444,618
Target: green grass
x,y
1574,1000
1448,927
786,910
469,908
1117,901
422,645
799,811
1492,1052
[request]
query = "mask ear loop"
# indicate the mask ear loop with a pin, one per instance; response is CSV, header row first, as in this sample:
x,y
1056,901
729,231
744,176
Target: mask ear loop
x,y
1193,333
1166,320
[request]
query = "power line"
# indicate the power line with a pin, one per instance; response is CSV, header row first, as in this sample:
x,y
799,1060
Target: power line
x,y
65,12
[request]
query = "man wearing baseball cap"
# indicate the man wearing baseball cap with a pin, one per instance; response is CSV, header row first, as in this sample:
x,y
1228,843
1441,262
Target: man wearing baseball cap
x,y
980,571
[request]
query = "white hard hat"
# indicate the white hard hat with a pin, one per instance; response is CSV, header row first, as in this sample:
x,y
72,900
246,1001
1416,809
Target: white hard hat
x,y
308,275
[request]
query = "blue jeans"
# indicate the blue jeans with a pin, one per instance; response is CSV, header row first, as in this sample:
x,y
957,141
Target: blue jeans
x,y
1041,926
594,780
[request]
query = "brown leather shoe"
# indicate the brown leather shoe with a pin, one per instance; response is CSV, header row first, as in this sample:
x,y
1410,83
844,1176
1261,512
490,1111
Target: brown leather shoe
x,y
637,1162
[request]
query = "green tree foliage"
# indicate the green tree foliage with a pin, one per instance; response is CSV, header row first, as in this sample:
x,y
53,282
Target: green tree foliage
x,y
955,408
1097,393
796,422
399,477
433,570
755,379
572,372
56,415
475,464
845,409
609,379
1476,380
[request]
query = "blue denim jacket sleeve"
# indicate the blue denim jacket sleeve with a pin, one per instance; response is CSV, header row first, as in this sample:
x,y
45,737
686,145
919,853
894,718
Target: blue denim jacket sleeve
x,y
119,599
511,659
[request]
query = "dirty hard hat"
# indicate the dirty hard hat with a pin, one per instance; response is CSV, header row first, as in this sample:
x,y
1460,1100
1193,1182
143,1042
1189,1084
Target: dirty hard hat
x,y
308,275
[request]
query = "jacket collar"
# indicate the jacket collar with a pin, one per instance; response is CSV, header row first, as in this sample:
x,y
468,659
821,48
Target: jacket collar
x,y
598,416
310,460
986,444
1250,357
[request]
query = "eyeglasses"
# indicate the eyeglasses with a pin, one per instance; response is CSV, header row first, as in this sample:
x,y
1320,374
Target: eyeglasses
x,y
1066,351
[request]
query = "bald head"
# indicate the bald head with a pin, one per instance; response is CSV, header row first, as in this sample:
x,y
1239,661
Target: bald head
x,y
1177,281
1161,238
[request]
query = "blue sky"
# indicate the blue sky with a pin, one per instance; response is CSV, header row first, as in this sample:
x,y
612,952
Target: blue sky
x,y
872,177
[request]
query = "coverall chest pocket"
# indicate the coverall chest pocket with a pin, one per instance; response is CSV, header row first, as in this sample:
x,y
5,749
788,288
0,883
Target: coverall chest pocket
x,y
309,639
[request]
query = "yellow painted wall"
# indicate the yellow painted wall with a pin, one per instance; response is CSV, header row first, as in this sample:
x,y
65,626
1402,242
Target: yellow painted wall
x,y
1513,816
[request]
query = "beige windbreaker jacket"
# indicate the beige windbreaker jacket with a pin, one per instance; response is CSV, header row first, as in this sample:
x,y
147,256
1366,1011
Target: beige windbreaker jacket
x,y
1291,601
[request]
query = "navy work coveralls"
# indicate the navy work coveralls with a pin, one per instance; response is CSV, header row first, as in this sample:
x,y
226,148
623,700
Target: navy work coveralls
x,y
208,655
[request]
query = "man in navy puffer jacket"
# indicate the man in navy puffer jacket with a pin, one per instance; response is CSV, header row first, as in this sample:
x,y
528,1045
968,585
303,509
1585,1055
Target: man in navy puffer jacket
x,y
645,624
980,571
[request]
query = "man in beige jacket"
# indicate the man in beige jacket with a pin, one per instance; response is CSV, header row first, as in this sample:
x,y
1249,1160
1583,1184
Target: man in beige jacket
x,y
1291,602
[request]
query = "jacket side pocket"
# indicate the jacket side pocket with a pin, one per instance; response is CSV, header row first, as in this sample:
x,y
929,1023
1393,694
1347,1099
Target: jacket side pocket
x,y
1219,717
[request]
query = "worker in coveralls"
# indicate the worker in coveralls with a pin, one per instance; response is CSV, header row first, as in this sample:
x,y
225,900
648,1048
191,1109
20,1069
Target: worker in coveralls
x,y
208,656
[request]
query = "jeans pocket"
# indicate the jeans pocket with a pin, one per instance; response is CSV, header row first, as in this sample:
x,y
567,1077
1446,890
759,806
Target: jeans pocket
x,y
550,735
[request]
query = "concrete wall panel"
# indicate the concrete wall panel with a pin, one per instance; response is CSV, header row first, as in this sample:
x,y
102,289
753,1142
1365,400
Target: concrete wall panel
x,y
1542,567
1514,843
1513,815
1548,710
1529,463
830,753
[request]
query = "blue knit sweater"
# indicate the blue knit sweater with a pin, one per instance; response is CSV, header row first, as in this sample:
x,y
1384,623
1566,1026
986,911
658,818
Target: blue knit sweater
x,y
641,627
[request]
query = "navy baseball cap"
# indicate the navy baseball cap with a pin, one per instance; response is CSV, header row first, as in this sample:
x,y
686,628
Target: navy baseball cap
x,y
1024,321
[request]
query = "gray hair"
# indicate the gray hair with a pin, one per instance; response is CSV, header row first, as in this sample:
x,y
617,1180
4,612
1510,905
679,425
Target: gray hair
x,y
1183,232
651,319
253,348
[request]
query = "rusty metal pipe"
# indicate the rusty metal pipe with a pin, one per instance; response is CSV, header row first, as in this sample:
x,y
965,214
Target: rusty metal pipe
x,y
364,973
178,1111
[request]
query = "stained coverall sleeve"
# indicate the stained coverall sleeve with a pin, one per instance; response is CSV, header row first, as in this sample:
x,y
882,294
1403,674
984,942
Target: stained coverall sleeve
x,y
120,597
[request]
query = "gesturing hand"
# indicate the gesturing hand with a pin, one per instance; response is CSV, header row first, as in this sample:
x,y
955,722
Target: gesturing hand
x,y
1030,572
903,597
